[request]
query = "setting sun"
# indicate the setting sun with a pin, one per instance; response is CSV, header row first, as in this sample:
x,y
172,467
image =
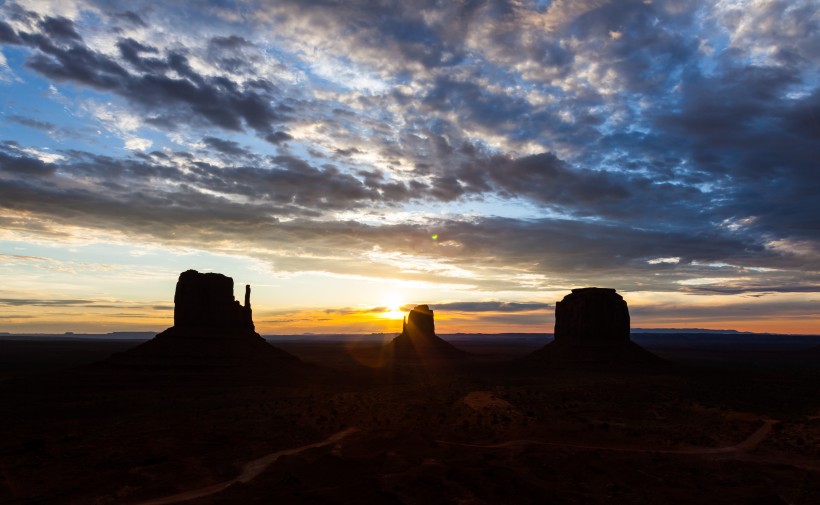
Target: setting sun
x,y
393,309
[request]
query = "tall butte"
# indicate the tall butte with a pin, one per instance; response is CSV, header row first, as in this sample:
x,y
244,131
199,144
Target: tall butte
x,y
592,327
418,339
211,330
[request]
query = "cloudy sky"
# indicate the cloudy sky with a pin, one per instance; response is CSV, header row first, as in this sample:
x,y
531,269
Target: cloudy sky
x,y
348,158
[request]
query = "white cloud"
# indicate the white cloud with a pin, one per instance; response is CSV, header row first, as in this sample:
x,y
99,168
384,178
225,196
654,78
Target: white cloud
x,y
44,156
137,144
6,73
119,121
348,76
671,261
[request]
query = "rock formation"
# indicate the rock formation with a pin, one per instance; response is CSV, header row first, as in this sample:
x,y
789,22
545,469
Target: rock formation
x,y
206,301
418,339
211,330
592,315
592,327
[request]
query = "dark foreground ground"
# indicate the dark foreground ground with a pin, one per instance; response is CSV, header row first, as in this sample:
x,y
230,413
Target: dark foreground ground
x,y
732,419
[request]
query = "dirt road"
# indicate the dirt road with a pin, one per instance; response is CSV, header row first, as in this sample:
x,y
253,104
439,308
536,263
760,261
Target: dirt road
x,y
748,444
250,471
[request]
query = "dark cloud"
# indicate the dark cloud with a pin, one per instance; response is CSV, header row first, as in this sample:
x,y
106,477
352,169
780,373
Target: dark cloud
x,y
227,147
60,28
131,17
76,63
488,306
401,31
757,143
347,152
278,137
758,289
7,34
20,165
476,104
231,43
167,89
20,302
130,50
743,310
285,186
123,195
32,123
545,178
652,45
234,54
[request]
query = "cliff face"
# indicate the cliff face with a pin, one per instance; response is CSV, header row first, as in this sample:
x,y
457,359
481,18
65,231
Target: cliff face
x,y
592,315
207,301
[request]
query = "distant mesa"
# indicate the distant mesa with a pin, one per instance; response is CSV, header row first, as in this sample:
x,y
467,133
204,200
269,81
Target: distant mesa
x,y
592,327
592,315
206,301
211,329
418,339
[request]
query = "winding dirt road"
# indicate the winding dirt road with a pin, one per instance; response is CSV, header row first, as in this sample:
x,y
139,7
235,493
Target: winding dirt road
x,y
250,471
748,444
254,468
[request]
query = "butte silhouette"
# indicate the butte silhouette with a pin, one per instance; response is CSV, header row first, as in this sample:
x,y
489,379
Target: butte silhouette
x,y
211,331
592,328
418,339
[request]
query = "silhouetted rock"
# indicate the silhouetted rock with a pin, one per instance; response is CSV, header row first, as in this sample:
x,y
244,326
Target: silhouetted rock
x,y
207,301
420,321
592,315
211,330
418,339
592,327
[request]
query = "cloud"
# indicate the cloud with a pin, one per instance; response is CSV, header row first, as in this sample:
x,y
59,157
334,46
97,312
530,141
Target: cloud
x,y
12,258
77,302
7,34
168,89
226,147
277,211
488,307
746,310
18,163
17,302
130,17
60,28
32,123
6,73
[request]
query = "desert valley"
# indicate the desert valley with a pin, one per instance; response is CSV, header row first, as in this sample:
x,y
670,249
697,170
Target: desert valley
x,y
210,412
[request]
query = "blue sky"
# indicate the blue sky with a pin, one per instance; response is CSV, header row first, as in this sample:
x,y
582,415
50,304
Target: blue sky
x,y
313,148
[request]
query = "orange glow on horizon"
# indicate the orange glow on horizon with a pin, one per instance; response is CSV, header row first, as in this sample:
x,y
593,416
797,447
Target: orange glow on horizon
x,y
386,318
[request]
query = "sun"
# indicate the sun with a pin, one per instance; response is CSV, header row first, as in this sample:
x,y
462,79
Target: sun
x,y
393,309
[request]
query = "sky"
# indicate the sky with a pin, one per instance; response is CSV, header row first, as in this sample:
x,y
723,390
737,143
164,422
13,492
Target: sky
x,y
350,159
